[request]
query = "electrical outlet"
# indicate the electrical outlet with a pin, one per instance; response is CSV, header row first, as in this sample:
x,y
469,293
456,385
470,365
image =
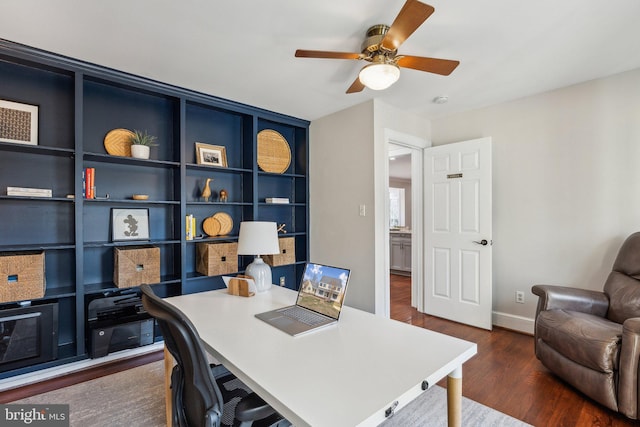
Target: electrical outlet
x,y
363,210
281,280
520,297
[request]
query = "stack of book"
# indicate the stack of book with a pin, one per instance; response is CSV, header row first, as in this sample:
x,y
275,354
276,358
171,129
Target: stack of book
x,y
89,183
276,200
29,192
191,227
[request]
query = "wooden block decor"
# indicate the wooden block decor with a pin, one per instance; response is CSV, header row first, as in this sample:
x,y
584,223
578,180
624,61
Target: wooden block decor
x,y
287,253
214,259
239,286
22,275
136,265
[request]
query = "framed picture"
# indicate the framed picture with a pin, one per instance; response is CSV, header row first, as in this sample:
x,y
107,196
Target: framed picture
x,y
211,155
18,123
129,224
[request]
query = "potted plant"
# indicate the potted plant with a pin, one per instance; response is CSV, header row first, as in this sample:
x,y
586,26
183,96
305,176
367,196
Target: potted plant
x,y
141,143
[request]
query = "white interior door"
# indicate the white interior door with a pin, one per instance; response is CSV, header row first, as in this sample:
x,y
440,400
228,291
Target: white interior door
x,y
458,278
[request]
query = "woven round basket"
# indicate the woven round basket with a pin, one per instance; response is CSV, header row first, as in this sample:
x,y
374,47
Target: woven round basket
x,y
118,142
274,153
211,226
226,223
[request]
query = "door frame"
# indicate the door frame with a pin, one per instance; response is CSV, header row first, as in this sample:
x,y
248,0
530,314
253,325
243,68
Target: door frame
x,y
416,145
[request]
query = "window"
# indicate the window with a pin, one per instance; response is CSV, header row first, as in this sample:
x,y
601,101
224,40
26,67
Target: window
x,y
396,207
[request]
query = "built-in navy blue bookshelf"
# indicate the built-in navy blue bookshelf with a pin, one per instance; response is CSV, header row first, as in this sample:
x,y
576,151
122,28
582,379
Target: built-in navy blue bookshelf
x,y
78,104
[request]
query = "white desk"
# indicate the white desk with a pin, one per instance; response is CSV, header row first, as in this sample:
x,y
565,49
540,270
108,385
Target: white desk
x,y
344,375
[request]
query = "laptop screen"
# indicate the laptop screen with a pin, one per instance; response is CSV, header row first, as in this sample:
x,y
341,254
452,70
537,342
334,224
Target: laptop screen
x,y
323,289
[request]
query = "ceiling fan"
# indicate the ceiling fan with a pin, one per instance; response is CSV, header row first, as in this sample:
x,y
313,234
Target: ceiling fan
x,y
380,48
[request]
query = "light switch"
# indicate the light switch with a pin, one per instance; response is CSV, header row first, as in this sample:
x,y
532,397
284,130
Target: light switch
x,y
363,210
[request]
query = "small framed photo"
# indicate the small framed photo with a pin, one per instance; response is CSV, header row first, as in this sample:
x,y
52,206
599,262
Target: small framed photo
x,y
129,224
18,123
211,155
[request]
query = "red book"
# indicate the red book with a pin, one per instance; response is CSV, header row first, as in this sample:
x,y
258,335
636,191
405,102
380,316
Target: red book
x,y
89,182
93,183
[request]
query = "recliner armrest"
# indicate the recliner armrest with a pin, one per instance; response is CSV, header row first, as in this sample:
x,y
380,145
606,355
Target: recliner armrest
x,y
628,369
573,299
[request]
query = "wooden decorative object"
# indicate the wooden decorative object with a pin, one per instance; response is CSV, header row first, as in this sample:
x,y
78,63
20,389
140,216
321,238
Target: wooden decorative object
x,y
214,259
211,226
226,223
135,265
240,287
274,153
23,276
206,191
287,253
118,142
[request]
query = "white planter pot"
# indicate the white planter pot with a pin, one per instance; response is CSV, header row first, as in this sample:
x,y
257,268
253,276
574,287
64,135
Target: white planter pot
x,y
140,151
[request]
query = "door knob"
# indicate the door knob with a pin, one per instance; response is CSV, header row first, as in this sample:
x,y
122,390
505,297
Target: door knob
x,y
482,242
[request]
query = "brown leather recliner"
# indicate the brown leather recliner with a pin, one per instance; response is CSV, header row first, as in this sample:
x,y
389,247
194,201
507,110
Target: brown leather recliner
x,y
592,339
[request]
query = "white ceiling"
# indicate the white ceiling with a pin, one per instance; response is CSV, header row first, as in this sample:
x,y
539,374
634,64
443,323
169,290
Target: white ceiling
x,y
244,50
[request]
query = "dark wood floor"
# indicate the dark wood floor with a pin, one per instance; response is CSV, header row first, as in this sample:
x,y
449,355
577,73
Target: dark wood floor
x,y
505,374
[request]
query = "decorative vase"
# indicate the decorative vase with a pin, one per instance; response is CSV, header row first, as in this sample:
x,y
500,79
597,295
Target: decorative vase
x,y
140,151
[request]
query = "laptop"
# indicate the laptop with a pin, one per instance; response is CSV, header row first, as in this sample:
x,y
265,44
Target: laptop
x,y
319,303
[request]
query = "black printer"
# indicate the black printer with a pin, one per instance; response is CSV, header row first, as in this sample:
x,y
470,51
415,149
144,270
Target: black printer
x,y
118,321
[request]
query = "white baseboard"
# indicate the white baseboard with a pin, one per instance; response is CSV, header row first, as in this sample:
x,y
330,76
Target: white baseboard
x,y
516,323
58,371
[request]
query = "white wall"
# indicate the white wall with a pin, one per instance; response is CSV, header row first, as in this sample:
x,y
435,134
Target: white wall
x,y
566,185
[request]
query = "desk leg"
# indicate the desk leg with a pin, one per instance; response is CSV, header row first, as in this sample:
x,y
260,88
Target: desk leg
x,y
454,398
168,367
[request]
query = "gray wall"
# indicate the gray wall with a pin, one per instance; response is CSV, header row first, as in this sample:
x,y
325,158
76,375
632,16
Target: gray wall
x,y
341,179
348,153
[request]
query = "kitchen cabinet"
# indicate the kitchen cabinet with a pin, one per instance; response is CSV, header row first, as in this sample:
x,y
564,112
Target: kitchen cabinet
x,y
400,252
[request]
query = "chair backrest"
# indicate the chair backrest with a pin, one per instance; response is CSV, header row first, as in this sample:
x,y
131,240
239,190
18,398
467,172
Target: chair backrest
x,y
200,396
623,284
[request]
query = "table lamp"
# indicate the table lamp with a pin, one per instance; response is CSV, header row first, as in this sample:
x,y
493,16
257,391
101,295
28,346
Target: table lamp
x,y
258,238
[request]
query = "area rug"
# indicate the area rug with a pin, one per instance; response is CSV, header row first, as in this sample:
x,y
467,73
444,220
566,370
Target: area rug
x,y
430,409
135,398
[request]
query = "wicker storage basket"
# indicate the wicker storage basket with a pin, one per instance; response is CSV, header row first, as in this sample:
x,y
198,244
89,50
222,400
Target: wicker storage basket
x,y
22,276
214,259
274,153
136,265
287,253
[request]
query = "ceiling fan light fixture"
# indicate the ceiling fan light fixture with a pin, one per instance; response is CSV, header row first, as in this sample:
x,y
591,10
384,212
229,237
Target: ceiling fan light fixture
x,y
379,76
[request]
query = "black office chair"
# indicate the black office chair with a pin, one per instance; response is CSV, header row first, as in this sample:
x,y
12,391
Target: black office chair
x,y
203,394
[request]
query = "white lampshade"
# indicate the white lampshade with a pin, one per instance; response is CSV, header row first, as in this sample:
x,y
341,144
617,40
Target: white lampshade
x,y
379,76
258,238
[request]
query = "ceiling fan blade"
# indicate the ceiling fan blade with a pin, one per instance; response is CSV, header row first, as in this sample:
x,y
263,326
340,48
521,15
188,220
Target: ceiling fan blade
x,y
430,65
410,17
356,86
300,53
